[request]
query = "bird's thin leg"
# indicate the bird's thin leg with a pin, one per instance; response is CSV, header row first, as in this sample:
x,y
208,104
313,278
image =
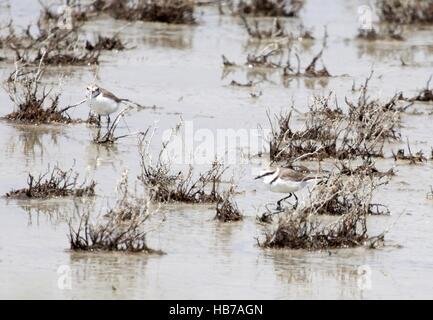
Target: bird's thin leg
x,y
279,201
296,203
108,122
99,121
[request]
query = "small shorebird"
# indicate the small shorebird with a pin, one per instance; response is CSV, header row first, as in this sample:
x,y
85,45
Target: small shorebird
x,y
285,180
103,103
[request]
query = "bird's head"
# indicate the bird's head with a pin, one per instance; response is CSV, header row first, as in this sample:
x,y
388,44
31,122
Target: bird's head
x,y
92,91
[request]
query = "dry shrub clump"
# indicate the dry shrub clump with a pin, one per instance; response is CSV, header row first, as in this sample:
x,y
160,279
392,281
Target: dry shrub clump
x,y
105,43
418,157
55,43
328,132
310,71
276,31
318,139
406,11
425,95
33,102
367,167
122,228
165,186
335,194
272,8
390,32
169,11
265,59
226,209
73,13
54,183
349,198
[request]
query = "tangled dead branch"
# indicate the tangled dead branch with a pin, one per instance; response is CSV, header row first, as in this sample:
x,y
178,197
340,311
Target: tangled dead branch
x,y
338,193
54,183
122,228
109,136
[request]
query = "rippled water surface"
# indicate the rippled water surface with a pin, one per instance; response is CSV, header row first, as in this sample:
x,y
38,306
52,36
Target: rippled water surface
x,y
179,69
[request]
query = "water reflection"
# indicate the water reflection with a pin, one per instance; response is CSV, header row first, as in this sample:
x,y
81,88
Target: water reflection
x,y
169,39
102,155
316,275
107,274
54,211
33,141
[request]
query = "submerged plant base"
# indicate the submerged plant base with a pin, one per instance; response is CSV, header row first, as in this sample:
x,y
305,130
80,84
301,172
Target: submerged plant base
x,y
272,8
34,105
164,186
54,183
105,43
122,228
227,210
169,11
347,197
300,231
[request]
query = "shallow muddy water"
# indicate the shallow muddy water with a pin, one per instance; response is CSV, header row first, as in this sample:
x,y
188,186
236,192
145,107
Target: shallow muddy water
x,y
179,70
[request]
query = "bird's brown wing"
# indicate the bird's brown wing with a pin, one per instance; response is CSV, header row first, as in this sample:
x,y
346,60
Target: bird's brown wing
x,y
109,95
289,174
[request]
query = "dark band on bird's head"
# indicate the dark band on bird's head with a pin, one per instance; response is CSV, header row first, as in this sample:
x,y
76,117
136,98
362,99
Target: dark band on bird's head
x,y
265,174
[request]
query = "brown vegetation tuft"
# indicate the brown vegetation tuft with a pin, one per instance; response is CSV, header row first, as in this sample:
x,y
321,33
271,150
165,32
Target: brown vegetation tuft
x,y
165,186
418,157
349,198
169,11
122,228
105,43
226,209
272,8
54,43
34,104
391,32
263,59
54,183
276,31
331,133
425,95
406,11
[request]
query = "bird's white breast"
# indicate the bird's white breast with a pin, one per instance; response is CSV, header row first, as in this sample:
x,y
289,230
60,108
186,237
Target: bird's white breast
x,y
287,186
103,106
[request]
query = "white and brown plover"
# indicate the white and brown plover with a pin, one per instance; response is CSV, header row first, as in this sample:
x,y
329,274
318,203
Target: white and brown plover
x,y
285,180
103,103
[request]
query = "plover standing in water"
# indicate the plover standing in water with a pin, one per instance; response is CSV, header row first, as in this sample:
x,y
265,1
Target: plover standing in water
x,y
103,103
285,180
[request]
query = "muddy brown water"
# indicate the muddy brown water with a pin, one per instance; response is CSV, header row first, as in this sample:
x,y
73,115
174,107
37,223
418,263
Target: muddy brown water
x,y
179,68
